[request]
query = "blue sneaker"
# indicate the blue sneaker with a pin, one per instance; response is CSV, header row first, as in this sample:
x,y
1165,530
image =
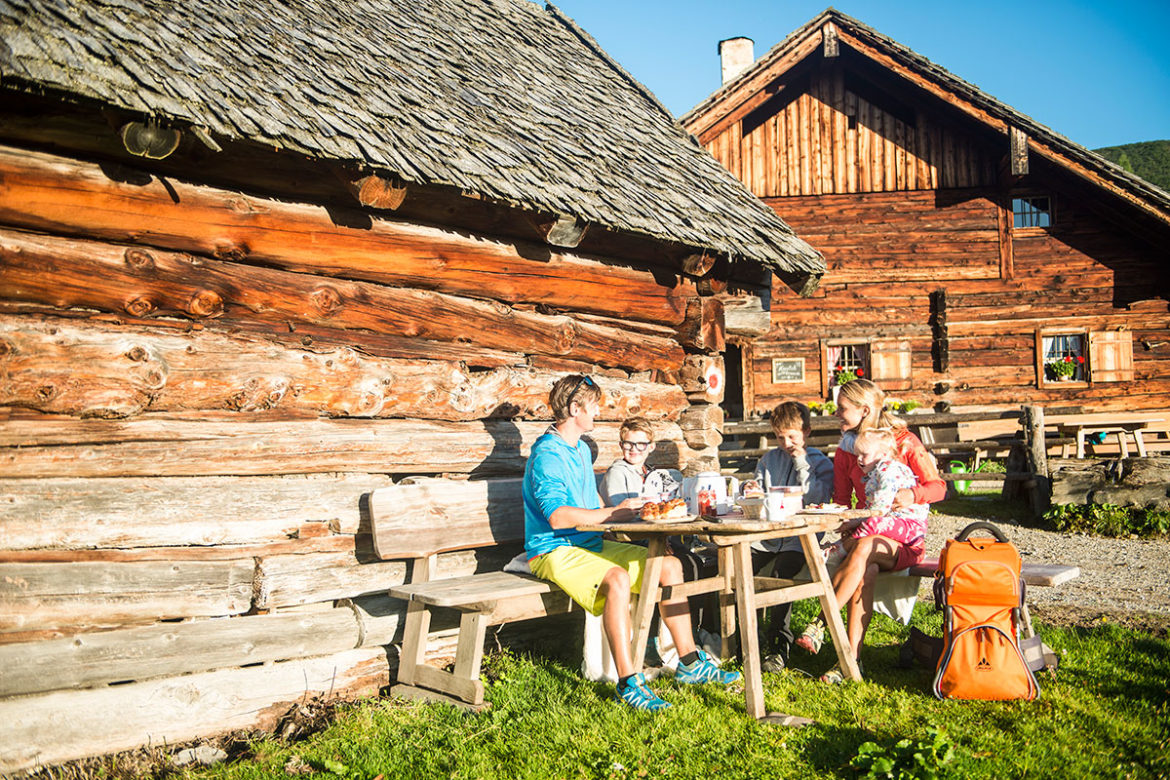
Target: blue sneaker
x,y
639,696
704,670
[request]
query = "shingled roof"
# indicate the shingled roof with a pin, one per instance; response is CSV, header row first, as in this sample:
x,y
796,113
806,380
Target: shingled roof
x,y
501,98
1151,199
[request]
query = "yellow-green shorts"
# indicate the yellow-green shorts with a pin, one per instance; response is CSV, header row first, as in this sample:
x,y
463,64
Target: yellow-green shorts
x,y
579,572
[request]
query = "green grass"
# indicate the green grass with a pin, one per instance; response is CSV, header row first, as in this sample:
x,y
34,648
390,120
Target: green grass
x,y
1104,714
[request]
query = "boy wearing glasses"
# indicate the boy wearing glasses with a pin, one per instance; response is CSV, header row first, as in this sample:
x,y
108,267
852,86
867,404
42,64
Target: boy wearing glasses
x,y
625,477
560,493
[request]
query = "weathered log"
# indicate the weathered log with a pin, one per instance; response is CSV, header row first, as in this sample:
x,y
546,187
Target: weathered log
x,y
51,193
1129,482
171,649
52,728
236,446
71,273
697,417
37,596
1032,423
100,370
378,193
703,327
702,378
175,511
292,580
703,439
295,336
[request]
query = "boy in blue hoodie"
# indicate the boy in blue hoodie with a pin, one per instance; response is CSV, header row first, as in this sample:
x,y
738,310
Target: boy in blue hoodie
x,y
791,463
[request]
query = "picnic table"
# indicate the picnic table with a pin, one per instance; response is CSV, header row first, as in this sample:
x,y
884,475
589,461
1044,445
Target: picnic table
x,y
733,537
1118,425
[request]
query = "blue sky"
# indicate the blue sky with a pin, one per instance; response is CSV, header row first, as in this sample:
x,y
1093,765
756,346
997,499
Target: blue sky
x,y
1095,72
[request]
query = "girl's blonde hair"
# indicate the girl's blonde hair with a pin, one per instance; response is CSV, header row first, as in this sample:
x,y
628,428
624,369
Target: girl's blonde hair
x,y
875,440
862,392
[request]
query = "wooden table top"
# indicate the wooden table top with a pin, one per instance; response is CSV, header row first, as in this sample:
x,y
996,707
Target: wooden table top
x,y
817,522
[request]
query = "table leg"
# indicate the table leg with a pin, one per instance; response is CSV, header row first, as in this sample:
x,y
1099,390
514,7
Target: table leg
x,y
647,600
1122,443
749,640
727,601
1080,443
1140,441
829,605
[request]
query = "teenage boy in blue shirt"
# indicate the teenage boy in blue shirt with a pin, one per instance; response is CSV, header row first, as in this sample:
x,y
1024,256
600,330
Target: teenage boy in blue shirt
x,y
560,493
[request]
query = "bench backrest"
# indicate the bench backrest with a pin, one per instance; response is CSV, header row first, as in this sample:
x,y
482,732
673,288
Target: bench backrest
x,y
431,516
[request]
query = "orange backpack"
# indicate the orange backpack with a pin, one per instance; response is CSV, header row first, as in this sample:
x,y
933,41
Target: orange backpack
x,y
979,586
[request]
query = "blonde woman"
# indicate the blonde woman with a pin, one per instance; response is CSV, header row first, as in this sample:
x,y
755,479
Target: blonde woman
x,y
861,407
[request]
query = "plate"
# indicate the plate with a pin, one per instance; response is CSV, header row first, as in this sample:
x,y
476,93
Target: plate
x,y
827,509
668,520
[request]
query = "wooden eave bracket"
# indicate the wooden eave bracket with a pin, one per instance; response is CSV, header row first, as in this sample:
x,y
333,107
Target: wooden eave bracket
x,y
562,230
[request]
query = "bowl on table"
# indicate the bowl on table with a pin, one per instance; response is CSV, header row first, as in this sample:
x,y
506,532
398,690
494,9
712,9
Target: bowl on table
x,y
752,506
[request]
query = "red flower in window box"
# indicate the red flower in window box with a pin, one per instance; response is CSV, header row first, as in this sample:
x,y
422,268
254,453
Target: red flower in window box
x,y
859,372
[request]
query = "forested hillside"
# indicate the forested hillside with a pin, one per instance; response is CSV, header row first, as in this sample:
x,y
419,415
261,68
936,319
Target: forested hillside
x,y
1149,159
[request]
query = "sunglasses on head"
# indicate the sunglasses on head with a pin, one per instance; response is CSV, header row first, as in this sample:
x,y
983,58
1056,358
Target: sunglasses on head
x,y
585,380
637,446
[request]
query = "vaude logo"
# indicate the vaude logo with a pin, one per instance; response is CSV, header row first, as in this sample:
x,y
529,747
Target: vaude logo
x,y
983,666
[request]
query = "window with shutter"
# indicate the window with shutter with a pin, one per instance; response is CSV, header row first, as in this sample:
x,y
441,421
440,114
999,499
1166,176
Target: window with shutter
x,y
1111,356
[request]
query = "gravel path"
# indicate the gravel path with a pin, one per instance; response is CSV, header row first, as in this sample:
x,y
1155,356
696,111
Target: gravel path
x,y
1127,580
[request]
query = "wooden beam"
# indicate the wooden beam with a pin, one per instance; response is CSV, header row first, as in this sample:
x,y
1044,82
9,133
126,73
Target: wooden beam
x,y
1019,151
830,43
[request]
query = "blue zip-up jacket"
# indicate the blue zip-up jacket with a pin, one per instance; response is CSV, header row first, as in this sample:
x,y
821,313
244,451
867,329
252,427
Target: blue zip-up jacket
x,y
557,475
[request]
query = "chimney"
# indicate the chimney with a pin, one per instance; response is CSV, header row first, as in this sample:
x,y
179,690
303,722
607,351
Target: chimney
x,y
735,54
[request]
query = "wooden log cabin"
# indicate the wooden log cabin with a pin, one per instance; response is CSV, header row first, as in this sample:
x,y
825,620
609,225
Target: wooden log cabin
x,y
259,260
969,247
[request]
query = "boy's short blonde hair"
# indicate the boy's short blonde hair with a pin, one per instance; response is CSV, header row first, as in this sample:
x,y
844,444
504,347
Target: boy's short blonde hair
x,y
640,424
790,415
574,387
875,441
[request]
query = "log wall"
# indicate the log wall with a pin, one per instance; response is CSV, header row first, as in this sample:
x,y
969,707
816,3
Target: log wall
x,y
909,200
888,252
200,388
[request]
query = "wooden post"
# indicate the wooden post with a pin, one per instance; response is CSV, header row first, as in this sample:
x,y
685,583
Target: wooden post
x,y
1033,424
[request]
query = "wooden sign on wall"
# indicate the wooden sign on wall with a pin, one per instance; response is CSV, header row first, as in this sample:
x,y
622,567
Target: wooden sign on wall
x,y
787,370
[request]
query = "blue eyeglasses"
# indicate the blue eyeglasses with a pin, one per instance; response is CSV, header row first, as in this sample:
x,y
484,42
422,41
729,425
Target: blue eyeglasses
x,y
585,380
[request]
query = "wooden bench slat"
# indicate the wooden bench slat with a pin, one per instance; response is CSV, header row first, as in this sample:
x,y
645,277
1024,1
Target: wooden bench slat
x,y
1035,574
471,590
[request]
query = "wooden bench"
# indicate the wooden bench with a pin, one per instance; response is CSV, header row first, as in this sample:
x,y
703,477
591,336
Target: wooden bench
x,y
420,520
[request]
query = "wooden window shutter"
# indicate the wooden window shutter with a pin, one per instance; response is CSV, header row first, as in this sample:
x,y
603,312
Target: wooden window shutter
x,y
889,364
1111,356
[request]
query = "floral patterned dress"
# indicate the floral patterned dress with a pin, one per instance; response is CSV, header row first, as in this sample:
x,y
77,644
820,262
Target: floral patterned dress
x,y
907,524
